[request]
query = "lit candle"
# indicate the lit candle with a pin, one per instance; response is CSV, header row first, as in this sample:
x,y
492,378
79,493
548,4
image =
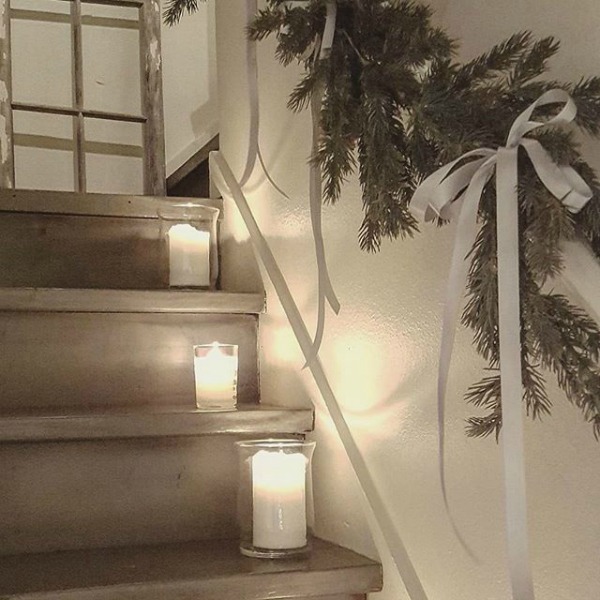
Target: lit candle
x,y
189,264
279,500
215,371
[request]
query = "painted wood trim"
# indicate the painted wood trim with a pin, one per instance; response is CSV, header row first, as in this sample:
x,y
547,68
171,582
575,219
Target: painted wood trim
x,y
131,3
45,425
129,301
152,99
7,162
211,570
77,87
49,17
101,205
73,112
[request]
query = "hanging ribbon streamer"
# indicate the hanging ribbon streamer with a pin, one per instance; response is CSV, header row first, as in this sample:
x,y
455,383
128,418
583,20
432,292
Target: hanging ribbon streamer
x,y
328,30
325,292
435,196
322,47
228,186
254,152
252,79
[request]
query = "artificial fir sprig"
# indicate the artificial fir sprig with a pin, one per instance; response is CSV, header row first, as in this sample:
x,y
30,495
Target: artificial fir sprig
x,y
395,106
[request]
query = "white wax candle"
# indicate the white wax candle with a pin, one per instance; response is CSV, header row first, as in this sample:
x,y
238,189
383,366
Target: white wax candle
x,y
279,500
216,378
189,250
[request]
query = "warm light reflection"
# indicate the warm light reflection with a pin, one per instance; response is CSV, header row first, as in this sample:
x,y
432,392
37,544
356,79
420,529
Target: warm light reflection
x,y
189,251
283,344
366,371
279,500
215,371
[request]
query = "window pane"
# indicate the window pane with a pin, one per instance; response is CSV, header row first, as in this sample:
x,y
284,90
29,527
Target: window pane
x,y
43,151
111,59
114,157
41,52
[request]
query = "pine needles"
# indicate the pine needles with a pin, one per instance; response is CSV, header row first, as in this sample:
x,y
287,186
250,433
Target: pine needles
x,y
395,106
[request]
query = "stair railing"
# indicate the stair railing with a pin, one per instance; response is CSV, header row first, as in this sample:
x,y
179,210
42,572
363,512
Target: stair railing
x,y
226,183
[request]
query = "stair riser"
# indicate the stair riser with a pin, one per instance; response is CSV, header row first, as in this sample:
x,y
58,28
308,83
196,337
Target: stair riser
x,y
81,251
75,495
79,359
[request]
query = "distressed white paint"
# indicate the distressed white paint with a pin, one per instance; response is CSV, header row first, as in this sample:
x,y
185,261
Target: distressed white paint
x,y
4,139
381,352
155,55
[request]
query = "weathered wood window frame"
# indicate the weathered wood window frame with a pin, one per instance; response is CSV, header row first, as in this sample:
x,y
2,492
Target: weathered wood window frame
x,y
151,119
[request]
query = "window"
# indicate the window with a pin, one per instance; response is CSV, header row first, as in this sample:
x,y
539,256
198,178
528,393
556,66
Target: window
x,y
72,115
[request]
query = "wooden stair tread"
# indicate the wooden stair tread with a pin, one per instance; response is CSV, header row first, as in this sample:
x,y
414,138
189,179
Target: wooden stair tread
x,y
128,301
210,570
102,205
71,423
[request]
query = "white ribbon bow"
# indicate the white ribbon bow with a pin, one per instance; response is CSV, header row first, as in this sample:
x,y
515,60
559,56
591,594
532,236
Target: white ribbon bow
x,y
436,196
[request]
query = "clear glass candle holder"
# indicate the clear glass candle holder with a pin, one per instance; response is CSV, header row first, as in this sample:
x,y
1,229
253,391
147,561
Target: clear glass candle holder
x,y
189,234
215,374
275,500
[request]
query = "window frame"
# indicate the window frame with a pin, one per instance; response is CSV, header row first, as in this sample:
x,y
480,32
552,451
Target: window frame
x,y
151,118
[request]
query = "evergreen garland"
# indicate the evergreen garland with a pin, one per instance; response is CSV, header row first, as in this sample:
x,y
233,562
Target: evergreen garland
x,y
397,106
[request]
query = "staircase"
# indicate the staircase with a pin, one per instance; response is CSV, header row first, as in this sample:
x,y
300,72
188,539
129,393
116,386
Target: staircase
x,y
114,486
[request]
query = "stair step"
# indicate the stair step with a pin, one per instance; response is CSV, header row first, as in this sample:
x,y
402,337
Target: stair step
x,y
212,570
59,359
62,239
21,299
75,423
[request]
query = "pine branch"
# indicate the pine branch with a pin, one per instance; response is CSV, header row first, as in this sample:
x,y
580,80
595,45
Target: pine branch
x,y
395,107
586,95
569,345
533,62
501,57
266,22
175,9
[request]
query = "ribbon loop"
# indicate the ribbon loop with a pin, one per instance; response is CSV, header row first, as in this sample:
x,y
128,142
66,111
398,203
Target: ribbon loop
x,y
522,125
455,190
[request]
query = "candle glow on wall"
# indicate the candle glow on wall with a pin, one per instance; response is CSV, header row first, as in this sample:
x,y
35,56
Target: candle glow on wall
x,y
275,497
215,373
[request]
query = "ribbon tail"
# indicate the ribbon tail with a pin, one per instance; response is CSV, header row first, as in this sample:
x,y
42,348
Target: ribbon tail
x,y
268,175
509,324
252,75
326,293
466,234
329,30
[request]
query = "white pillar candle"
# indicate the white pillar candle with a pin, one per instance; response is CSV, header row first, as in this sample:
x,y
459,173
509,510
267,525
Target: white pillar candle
x,y
215,373
279,500
189,250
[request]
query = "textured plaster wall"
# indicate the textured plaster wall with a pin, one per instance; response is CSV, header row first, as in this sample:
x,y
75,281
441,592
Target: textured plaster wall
x,y
381,352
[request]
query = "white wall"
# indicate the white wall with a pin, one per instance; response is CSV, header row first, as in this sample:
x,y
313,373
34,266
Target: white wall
x,y
381,352
190,84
